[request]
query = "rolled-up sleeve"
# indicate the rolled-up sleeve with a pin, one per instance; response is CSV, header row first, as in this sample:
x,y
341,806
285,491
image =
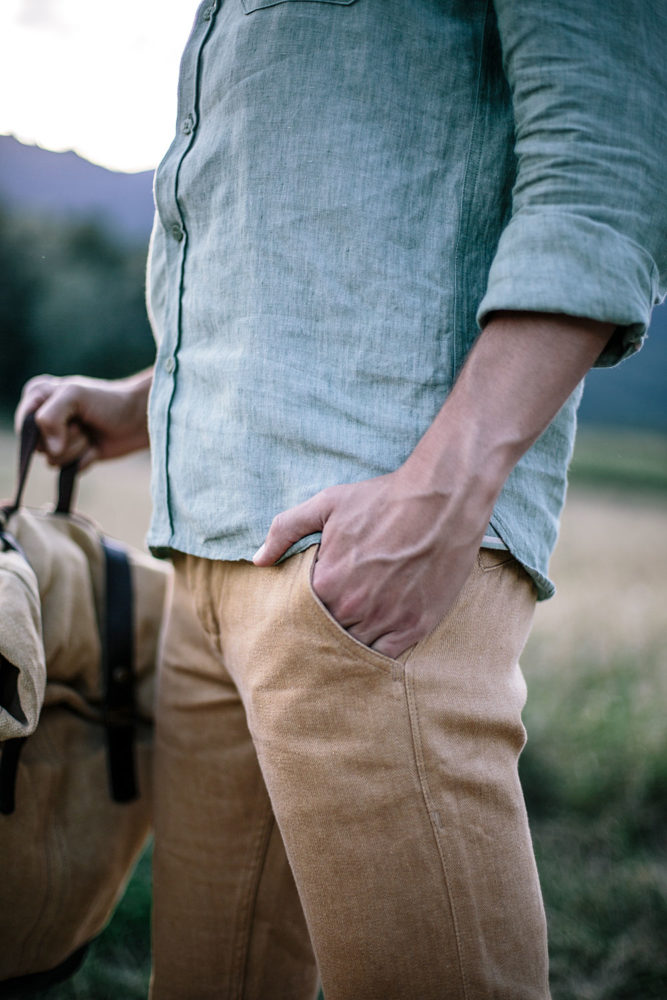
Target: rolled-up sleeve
x,y
587,235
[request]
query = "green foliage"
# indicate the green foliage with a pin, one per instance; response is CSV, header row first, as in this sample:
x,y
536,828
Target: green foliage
x,y
71,300
622,460
595,779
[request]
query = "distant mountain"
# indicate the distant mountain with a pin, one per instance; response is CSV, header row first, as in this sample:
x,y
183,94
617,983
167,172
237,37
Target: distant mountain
x,y
64,184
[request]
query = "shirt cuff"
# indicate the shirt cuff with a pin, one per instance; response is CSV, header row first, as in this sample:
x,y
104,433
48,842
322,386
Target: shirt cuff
x,y
569,264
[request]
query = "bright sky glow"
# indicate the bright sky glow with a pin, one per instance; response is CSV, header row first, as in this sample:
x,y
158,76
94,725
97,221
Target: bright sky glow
x,y
99,78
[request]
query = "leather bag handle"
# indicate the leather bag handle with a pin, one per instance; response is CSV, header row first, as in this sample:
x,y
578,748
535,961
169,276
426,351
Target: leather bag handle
x,y
30,435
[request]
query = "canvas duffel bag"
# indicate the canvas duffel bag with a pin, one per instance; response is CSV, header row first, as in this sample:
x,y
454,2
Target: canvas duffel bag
x,y
79,640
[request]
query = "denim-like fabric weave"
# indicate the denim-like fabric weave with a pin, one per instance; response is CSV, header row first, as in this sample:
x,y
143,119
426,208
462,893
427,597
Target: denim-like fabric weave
x,y
353,187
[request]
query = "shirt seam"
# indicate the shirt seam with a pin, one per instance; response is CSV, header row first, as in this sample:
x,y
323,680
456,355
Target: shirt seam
x,y
470,173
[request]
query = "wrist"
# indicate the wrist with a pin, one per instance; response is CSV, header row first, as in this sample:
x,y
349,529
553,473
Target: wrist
x,y
458,456
134,392
455,486
517,376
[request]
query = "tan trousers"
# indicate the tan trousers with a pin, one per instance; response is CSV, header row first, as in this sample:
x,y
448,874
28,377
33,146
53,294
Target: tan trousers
x,y
315,796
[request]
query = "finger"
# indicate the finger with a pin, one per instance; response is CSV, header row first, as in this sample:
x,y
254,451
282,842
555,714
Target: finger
x,y
340,600
91,455
62,435
291,525
34,394
84,460
392,644
77,448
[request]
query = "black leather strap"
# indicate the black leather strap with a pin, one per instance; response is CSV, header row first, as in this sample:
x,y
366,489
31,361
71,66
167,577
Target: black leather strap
x,y
119,674
66,480
29,442
66,484
9,763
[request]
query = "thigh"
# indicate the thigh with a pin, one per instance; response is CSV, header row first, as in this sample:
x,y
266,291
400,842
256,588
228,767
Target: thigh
x,y
465,693
395,784
227,921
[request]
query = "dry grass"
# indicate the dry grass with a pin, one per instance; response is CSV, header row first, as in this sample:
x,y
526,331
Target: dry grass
x,y
595,768
609,568
599,649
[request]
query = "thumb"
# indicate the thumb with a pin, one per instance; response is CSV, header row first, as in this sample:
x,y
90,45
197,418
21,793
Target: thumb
x,y
293,524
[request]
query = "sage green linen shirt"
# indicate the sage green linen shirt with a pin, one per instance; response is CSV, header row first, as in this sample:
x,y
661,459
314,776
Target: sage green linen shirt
x,y
353,187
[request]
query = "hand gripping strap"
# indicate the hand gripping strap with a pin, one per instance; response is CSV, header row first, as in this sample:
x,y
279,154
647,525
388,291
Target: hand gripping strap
x,y
118,667
66,479
117,644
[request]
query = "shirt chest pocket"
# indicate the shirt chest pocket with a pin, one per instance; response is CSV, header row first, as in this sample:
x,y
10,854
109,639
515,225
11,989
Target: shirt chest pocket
x,y
251,5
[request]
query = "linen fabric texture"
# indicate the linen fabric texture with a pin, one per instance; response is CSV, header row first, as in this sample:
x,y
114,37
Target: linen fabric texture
x,y
352,189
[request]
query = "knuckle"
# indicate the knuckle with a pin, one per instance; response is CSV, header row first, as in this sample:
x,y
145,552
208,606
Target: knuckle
x,y
323,582
46,420
69,391
34,393
328,497
412,622
37,383
279,528
61,405
347,609
277,524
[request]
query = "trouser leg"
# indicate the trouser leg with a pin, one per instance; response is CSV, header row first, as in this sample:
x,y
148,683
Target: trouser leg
x,y
394,782
227,922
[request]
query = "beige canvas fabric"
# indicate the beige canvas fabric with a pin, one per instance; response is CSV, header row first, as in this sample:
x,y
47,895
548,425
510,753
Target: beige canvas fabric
x,y
66,557
320,805
21,645
68,849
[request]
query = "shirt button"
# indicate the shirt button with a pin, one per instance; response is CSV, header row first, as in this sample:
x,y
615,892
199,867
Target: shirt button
x,y
188,125
170,365
177,232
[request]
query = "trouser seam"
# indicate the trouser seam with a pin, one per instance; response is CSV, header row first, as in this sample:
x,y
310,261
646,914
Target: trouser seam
x,y
433,813
249,903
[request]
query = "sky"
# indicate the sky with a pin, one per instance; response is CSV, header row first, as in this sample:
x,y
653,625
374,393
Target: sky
x,y
97,77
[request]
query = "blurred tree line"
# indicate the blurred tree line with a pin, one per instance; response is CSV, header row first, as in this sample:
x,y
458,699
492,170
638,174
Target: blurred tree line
x,y
71,300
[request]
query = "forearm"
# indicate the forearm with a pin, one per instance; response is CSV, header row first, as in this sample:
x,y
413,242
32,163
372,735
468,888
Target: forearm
x,y
137,388
520,372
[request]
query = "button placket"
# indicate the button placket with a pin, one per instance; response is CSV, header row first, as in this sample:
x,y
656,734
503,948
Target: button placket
x,y
177,235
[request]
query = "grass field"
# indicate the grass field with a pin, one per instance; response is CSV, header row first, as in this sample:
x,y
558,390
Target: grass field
x,y
595,768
